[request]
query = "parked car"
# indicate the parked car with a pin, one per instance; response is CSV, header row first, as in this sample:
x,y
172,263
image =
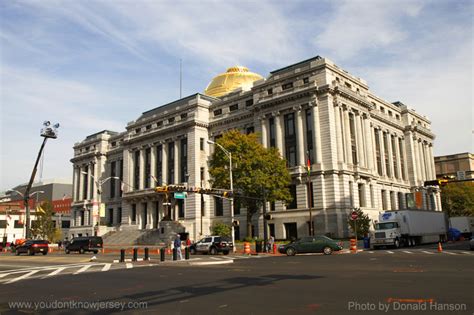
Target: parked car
x,y
32,247
471,243
84,244
212,245
310,244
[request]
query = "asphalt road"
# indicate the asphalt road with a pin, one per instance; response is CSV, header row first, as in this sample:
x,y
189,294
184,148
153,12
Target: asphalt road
x,y
365,283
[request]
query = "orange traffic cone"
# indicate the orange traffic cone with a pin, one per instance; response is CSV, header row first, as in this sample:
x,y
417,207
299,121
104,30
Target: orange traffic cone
x,y
440,249
168,251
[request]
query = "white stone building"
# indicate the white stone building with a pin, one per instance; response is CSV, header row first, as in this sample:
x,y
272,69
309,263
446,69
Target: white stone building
x,y
365,152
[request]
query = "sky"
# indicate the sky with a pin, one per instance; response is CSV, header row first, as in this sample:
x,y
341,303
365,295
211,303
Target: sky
x,y
95,65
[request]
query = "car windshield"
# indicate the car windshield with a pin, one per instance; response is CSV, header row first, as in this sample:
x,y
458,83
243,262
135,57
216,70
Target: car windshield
x,y
386,225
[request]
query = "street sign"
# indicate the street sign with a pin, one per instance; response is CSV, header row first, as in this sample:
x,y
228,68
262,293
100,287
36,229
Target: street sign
x,y
180,195
354,215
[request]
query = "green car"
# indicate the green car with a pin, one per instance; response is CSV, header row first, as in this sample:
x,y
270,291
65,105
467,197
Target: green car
x,y
310,244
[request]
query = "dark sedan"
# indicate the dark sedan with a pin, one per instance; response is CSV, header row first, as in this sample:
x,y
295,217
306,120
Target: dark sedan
x,y
310,244
33,247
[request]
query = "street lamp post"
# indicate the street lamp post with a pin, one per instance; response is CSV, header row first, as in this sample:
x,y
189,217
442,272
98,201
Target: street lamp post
x,y
99,184
229,155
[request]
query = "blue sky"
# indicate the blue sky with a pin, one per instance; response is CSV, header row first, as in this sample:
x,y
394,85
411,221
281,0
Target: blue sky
x,y
94,65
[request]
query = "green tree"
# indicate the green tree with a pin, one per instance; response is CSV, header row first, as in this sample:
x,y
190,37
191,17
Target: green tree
x,y
457,199
43,226
221,229
363,223
255,169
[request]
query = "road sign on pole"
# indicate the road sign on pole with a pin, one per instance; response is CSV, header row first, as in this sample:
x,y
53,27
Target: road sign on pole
x,y
354,215
179,195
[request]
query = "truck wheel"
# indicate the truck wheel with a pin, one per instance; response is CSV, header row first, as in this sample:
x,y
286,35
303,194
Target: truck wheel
x,y
397,243
213,251
81,250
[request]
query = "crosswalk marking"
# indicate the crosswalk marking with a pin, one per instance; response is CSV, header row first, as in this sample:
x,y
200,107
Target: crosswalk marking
x,y
405,251
106,267
83,269
468,253
450,253
55,272
430,253
26,275
390,252
371,252
129,265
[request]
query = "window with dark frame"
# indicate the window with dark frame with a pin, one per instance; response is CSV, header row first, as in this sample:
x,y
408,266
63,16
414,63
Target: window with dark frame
x,y
290,140
184,159
270,91
201,144
287,86
159,164
171,162
113,165
233,107
305,80
309,134
147,179
293,204
271,127
218,112
237,206
181,210
134,213
353,138
385,147
378,151
136,174
219,207
121,177
85,181
249,102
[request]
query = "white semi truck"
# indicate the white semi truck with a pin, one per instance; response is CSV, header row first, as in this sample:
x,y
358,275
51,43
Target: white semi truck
x,y
464,224
409,228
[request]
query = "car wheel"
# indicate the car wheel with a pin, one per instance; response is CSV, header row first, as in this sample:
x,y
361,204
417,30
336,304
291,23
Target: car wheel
x,y
81,251
192,250
213,251
45,253
226,252
96,251
67,251
327,250
30,252
290,251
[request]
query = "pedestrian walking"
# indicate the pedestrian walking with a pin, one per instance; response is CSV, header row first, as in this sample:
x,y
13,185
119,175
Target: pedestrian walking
x,y
177,246
270,243
188,242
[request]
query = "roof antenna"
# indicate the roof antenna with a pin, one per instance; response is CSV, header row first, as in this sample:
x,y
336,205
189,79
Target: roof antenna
x,y
180,79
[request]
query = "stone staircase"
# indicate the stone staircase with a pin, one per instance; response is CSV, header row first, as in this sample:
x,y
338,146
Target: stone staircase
x,y
165,234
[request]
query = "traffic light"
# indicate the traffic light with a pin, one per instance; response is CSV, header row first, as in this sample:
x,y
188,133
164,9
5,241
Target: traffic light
x,y
177,188
227,194
161,189
436,182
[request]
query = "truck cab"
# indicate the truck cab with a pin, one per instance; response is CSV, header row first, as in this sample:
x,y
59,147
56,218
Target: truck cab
x,y
386,234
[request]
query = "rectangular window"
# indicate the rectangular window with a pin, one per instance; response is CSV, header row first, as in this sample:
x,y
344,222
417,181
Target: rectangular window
x,y
233,107
121,177
201,144
309,134
372,201
171,120
148,127
17,224
402,157
361,190
271,228
385,150
137,130
237,206
159,124
270,91
384,200
171,163
290,140
112,180
218,112
65,224
305,80
249,102
353,138
293,204
184,116
184,160
393,201
271,127
378,151
272,206
119,215
134,213
400,201
201,174
85,182
159,164
180,208
287,86
3,224
136,175
394,157
147,179
219,207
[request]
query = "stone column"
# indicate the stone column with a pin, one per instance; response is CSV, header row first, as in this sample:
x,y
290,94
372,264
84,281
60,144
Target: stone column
x,y
359,142
279,127
141,178
316,134
263,121
347,137
164,165
390,154
130,171
300,137
382,152
153,166
340,149
368,143
432,163
399,161
176,161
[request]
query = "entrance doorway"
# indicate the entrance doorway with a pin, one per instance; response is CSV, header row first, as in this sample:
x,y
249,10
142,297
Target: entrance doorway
x,y
291,231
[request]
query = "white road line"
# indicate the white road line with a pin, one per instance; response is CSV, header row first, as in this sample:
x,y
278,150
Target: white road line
x,y
468,253
430,253
226,257
128,265
371,252
83,269
390,252
405,251
450,253
55,272
26,275
106,267
214,258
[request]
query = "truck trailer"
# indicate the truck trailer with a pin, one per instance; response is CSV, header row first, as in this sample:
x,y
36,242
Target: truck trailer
x,y
464,224
409,228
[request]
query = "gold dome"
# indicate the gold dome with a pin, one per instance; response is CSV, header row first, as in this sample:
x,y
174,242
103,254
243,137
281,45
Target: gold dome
x,y
232,79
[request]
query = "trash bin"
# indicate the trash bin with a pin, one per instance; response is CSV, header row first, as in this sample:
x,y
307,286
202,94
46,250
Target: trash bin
x,y
366,242
258,246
